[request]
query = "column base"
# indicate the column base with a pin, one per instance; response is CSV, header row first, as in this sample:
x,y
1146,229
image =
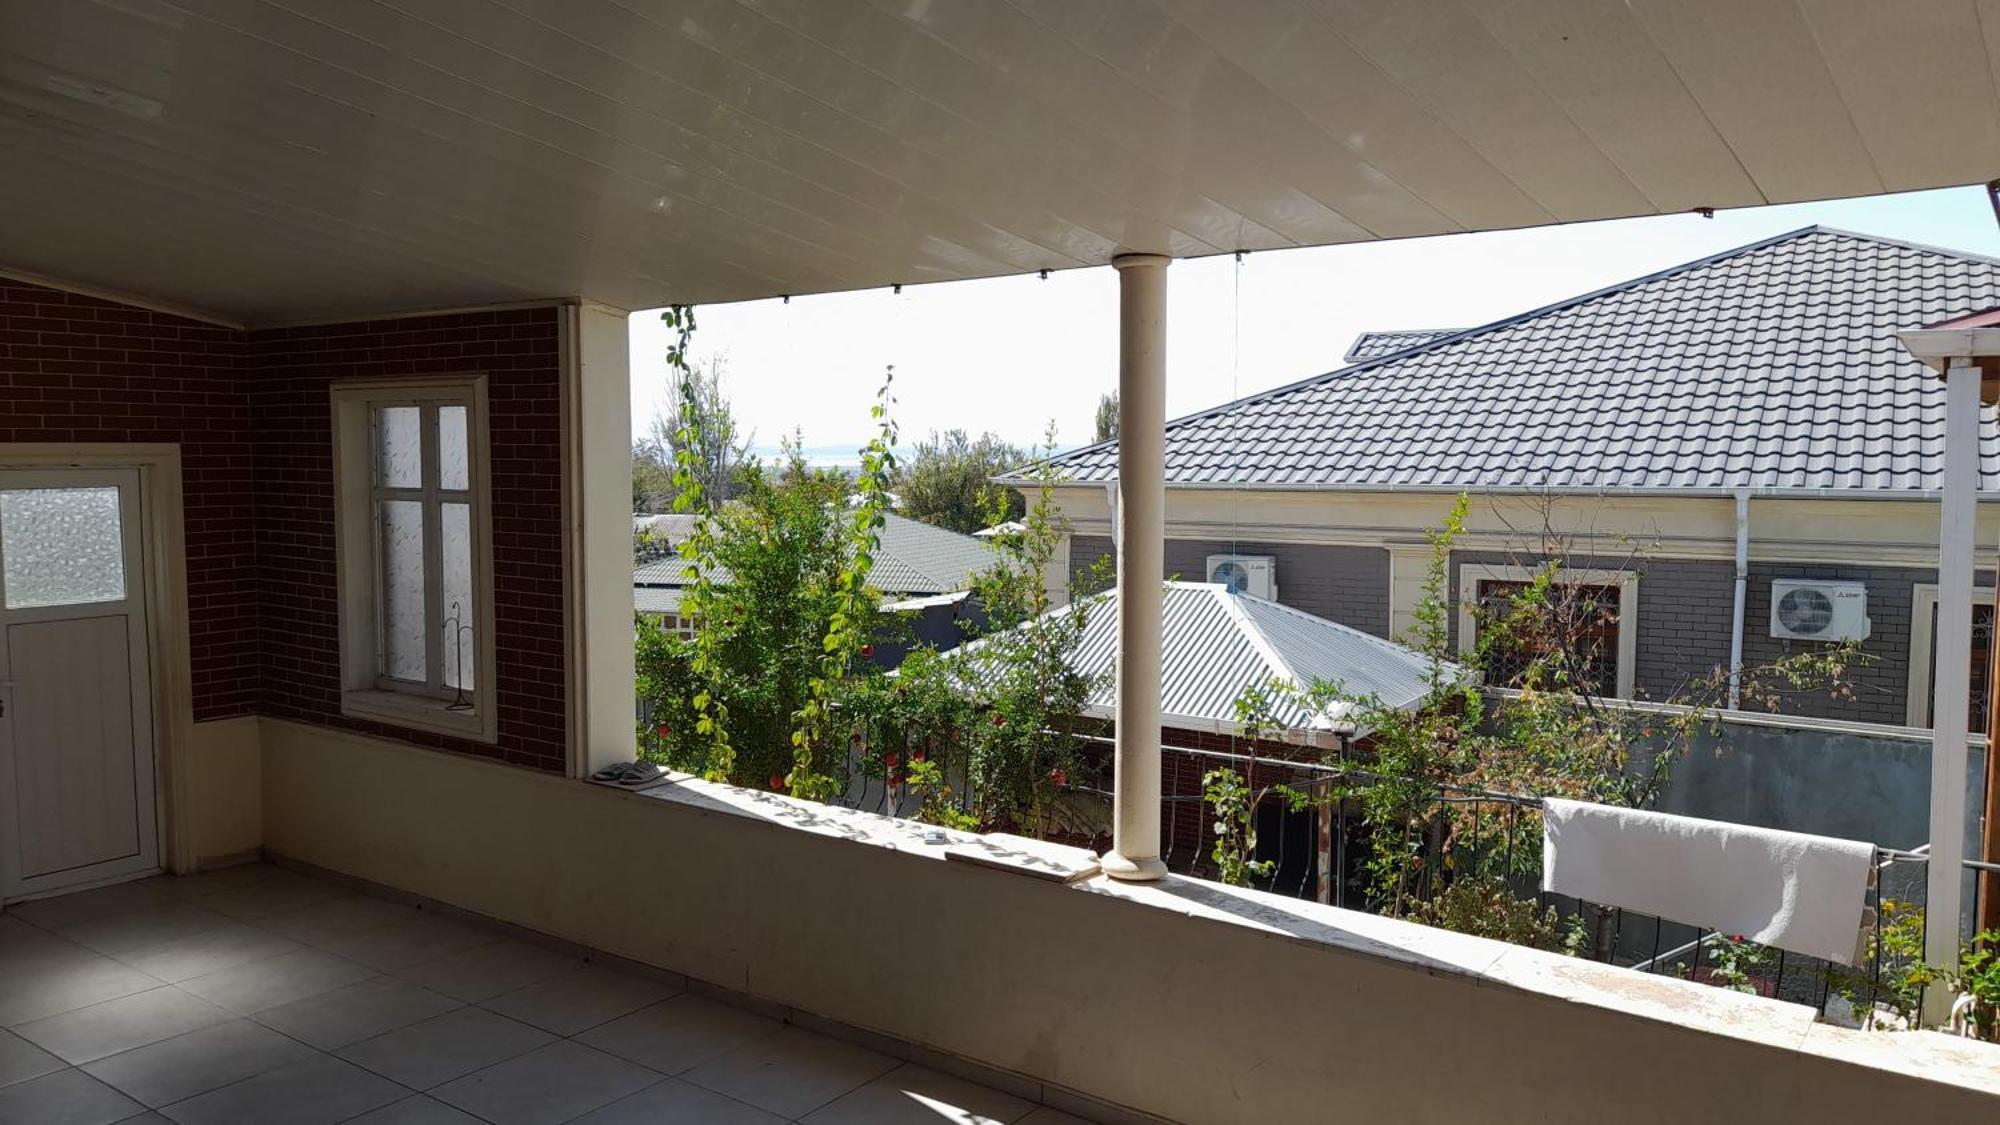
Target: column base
x,y
1145,869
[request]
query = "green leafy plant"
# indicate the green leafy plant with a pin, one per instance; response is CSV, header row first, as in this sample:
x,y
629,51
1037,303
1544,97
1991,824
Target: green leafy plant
x,y
1235,808
1486,906
852,626
710,710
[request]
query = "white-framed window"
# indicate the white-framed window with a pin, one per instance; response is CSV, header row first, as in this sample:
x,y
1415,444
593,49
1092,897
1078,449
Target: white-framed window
x,y
1613,635
1923,655
414,541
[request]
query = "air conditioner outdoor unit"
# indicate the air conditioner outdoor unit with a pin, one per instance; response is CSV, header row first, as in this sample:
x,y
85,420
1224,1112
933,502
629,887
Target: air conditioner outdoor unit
x,y
1256,575
1809,609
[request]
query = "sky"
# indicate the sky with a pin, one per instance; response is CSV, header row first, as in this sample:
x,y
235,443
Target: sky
x,y
1013,355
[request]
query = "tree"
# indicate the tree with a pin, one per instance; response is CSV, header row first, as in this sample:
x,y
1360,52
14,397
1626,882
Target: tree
x,y
1107,416
695,418
948,481
652,476
778,564
1000,718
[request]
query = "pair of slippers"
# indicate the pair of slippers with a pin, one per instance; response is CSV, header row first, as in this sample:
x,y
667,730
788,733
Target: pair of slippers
x,y
630,774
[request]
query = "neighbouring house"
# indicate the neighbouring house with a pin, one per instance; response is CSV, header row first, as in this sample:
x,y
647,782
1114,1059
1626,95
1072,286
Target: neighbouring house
x,y
925,575
1758,393
1219,644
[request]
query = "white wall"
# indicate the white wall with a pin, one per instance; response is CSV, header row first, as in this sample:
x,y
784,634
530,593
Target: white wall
x,y
225,802
1184,999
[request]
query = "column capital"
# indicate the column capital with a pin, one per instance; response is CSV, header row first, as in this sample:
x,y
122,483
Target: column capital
x,y
1139,261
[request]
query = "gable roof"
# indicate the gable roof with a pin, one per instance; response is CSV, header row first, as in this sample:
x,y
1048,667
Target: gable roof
x,y
1217,643
1773,367
912,558
1375,345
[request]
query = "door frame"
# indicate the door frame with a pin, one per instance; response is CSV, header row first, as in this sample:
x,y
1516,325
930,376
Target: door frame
x,y
164,560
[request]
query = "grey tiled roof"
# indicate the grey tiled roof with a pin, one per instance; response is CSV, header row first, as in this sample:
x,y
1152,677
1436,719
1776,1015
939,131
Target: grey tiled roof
x,y
912,558
1375,345
1774,367
1219,643
916,558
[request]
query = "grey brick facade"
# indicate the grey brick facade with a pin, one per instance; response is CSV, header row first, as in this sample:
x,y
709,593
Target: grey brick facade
x,y
1345,584
1685,607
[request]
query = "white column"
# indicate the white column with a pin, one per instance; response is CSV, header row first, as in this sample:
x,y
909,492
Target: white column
x,y
1951,672
597,409
1141,539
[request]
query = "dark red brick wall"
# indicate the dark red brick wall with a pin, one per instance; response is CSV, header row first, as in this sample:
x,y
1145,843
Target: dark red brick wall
x,y
292,369
76,369
250,412
1187,824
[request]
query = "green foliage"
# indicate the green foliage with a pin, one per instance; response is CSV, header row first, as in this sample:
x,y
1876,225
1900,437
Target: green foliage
x,y
984,735
948,481
695,429
1486,906
1235,808
1106,421
705,666
1903,976
1735,962
853,621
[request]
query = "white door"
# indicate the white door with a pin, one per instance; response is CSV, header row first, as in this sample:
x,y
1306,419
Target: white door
x,y
76,721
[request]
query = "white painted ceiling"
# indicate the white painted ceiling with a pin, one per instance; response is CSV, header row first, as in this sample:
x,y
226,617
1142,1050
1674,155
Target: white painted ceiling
x,y
273,160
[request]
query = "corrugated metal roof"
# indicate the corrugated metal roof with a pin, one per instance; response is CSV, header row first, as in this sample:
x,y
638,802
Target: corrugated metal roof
x,y
1375,345
653,599
1217,644
1773,367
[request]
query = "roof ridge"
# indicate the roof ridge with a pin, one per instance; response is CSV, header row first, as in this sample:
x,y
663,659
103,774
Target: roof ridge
x,y
1444,342
1447,341
1255,635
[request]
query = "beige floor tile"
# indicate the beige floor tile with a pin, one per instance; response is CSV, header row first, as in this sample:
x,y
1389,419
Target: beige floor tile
x,y
114,934
210,951
1049,1115
253,987
64,979
554,1084
418,1110
198,1061
674,1102
915,1095
85,1034
359,1011
791,1073
320,922
398,946
445,1047
486,971
680,1032
212,882
577,1001
318,1091
82,906
21,1060
275,893
67,1097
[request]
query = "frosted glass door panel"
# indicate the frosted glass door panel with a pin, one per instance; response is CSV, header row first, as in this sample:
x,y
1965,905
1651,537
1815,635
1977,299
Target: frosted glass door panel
x,y
63,546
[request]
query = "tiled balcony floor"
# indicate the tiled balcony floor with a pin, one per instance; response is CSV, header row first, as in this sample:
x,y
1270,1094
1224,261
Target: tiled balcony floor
x,y
256,994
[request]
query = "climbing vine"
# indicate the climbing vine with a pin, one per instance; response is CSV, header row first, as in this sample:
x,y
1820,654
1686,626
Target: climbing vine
x,y
711,709
852,625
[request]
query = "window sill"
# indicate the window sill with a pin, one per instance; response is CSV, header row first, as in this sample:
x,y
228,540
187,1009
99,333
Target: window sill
x,y
417,713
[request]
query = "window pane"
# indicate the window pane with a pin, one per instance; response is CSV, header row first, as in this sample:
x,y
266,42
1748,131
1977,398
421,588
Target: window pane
x,y
402,549
458,610
399,451
452,451
1574,636
62,546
